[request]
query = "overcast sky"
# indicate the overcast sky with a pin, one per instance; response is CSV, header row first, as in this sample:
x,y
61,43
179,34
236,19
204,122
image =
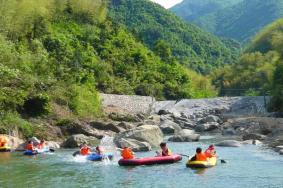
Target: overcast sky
x,y
167,3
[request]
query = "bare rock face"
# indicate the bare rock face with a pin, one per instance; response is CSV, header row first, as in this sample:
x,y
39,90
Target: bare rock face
x,y
76,140
145,133
185,136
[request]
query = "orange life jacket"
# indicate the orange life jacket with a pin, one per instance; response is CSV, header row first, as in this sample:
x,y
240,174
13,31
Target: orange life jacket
x,y
85,151
40,145
166,153
127,153
201,157
3,141
29,147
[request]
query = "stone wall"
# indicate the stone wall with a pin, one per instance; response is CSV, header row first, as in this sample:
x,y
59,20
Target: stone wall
x,y
131,104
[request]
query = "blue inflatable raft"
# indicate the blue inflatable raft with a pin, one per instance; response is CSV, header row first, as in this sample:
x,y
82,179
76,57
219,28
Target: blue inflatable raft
x,y
97,157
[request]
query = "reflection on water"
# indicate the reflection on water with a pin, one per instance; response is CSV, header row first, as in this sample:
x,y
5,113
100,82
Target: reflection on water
x,y
5,157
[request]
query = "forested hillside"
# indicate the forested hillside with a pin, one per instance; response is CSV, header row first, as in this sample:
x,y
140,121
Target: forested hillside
x,y
260,67
191,10
241,21
156,27
55,56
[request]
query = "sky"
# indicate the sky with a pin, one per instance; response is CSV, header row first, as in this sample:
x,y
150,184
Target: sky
x,y
167,3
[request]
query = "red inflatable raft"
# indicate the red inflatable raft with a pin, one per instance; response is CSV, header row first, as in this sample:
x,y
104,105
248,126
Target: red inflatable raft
x,y
150,160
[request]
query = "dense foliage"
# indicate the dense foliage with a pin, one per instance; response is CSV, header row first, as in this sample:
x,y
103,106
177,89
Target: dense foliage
x,y
56,55
190,10
189,45
240,21
260,67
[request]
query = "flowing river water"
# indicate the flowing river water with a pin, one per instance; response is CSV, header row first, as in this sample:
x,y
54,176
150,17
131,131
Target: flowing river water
x,y
247,166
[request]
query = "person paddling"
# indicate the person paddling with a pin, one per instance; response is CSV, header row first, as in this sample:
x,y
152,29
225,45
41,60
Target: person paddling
x,y
30,146
200,156
41,145
85,149
165,151
99,150
127,153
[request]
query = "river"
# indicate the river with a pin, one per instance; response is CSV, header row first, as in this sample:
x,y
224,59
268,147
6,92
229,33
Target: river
x,y
247,166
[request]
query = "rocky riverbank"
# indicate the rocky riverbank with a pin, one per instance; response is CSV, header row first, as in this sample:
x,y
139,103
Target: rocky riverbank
x,y
141,123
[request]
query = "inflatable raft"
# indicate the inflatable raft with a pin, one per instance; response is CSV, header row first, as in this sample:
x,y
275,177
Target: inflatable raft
x,y
5,149
150,160
97,157
202,164
36,152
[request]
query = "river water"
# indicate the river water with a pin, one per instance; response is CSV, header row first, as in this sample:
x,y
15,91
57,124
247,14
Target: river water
x,y
246,167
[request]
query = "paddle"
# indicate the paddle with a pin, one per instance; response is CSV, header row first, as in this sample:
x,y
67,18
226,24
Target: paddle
x,y
183,155
223,161
76,153
52,150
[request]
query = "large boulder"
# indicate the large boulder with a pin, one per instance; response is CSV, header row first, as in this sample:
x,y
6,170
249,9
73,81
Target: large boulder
x,y
83,128
134,144
76,140
185,136
145,133
229,143
35,140
207,127
169,127
126,125
254,136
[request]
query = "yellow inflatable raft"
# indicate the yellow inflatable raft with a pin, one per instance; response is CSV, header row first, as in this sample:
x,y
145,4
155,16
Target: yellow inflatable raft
x,y
202,164
5,149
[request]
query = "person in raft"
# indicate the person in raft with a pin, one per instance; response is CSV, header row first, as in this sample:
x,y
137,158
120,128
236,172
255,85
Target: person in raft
x,y
127,153
210,151
41,145
85,149
3,141
30,146
165,151
99,150
200,156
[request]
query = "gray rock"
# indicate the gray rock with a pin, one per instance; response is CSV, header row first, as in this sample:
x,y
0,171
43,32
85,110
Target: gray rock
x,y
185,136
76,140
169,127
207,127
281,152
229,143
53,145
126,125
145,133
254,136
252,142
210,119
15,142
105,126
278,148
229,132
134,144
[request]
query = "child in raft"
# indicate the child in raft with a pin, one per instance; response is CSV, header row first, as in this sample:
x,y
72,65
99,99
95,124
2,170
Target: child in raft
x,y
165,151
127,153
30,146
41,145
85,149
210,151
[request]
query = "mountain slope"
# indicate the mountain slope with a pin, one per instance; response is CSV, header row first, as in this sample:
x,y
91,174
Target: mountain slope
x,y
242,20
191,10
190,45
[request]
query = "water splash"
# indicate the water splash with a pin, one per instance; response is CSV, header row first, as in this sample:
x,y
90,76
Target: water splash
x,y
107,142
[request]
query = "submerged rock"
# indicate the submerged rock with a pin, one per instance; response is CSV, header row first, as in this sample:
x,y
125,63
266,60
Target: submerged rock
x,y
229,143
53,145
281,152
76,140
229,132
